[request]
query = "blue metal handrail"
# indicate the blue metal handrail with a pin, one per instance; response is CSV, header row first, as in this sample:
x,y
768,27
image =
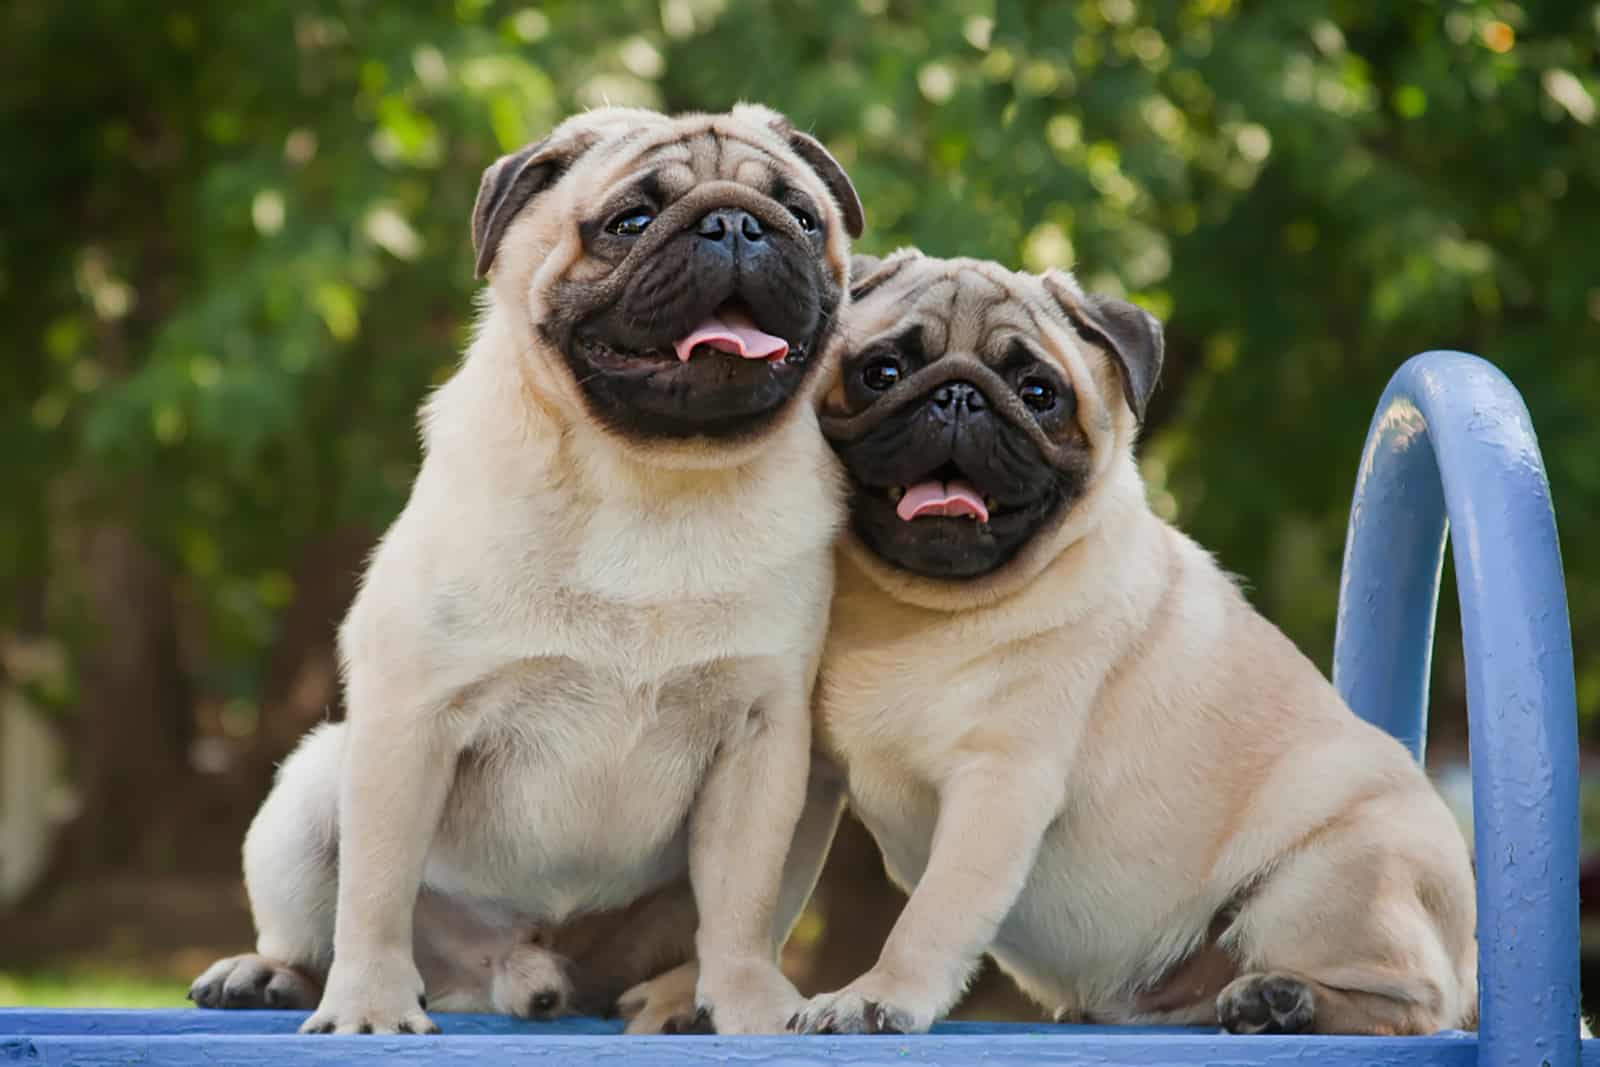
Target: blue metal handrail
x,y
1451,448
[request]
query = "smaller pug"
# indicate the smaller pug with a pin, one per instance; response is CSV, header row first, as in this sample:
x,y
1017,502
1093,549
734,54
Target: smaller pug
x,y
472,959
1077,745
471,966
469,963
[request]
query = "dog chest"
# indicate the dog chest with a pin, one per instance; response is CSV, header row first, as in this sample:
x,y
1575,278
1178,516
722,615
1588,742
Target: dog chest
x,y
895,712
635,632
575,790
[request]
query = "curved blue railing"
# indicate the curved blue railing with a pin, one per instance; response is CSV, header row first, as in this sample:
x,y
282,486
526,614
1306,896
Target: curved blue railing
x,y
1451,449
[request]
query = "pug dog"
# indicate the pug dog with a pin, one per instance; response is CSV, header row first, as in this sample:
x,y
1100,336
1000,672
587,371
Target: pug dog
x,y
579,668
1077,745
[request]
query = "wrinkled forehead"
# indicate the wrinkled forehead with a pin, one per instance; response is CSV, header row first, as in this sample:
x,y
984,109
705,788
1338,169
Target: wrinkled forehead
x,y
675,155
961,307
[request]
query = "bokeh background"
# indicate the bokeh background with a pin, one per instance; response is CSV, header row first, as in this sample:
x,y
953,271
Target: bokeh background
x,y
234,256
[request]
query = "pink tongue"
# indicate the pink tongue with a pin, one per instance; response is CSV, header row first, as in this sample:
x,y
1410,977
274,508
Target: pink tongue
x,y
949,499
730,330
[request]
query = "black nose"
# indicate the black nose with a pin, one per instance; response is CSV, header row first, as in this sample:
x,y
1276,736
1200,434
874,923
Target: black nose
x,y
721,225
953,398
545,1002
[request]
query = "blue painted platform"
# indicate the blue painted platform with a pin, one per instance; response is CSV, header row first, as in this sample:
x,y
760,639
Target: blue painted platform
x,y
192,1037
1451,454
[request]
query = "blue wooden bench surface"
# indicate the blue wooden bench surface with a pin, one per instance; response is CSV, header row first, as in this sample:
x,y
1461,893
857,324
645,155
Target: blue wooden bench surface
x,y
185,1037
1451,451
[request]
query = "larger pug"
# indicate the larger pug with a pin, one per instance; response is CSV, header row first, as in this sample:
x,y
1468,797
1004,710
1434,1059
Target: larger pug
x,y
579,668
1077,745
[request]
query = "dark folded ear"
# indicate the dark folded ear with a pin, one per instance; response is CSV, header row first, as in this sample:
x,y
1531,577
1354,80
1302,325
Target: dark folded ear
x,y
512,181
862,264
1131,336
833,176
869,272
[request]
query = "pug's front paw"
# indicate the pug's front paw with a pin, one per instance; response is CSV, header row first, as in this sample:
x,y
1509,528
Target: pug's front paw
x,y
866,1006
753,998
382,995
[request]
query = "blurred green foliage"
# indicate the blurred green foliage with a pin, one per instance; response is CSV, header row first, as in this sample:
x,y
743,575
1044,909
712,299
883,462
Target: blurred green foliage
x,y
91,989
235,250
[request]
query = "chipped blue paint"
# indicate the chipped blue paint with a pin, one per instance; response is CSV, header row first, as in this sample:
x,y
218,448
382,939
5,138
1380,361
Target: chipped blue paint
x,y
1451,438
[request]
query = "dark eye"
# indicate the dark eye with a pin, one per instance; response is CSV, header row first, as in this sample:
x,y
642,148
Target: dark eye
x,y
631,223
803,217
881,373
1037,394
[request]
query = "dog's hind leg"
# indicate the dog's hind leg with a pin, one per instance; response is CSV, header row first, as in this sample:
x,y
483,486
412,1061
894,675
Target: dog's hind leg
x,y
291,876
1366,927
